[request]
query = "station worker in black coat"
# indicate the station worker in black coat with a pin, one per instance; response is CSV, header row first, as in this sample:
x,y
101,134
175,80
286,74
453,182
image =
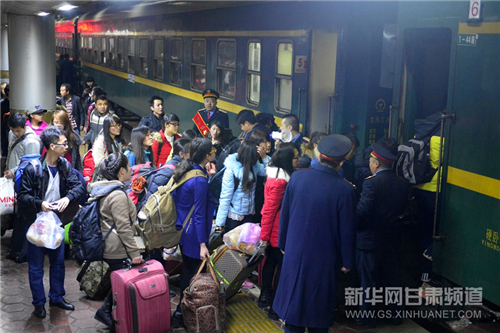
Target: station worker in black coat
x,y
209,114
317,234
382,201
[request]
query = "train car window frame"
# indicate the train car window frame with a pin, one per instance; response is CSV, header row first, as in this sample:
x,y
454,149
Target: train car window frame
x,y
89,50
224,70
83,48
103,45
131,55
176,62
282,79
120,59
143,57
202,66
111,51
95,54
158,59
253,73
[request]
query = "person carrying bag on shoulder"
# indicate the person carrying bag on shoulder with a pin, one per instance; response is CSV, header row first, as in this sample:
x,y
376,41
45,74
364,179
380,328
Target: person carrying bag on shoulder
x,y
117,211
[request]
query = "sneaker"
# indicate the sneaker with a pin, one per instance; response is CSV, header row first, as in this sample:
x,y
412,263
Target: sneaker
x,y
248,284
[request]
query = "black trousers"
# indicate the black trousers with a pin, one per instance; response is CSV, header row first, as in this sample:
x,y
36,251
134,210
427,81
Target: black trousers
x,y
274,260
231,224
298,329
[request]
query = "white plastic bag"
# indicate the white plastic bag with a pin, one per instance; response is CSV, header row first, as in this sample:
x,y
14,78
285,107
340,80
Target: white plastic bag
x,y
46,231
7,196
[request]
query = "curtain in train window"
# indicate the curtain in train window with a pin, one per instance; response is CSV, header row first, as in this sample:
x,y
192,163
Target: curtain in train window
x,y
96,49
253,73
226,68
131,55
111,52
119,52
143,55
284,78
103,51
176,61
158,59
198,64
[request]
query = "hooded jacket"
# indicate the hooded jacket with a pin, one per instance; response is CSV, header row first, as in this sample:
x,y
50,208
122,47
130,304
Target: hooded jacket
x,y
117,208
240,202
274,190
29,145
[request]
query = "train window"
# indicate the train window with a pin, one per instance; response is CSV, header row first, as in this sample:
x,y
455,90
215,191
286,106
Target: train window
x,y
283,95
198,64
253,73
121,59
96,46
131,55
143,55
226,68
111,51
176,61
103,50
158,59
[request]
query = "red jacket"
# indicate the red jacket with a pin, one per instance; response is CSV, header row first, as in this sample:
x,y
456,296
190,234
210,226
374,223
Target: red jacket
x,y
161,140
274,190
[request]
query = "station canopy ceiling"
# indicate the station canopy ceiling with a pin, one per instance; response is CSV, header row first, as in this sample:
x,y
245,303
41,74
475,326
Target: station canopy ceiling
x,y
53,7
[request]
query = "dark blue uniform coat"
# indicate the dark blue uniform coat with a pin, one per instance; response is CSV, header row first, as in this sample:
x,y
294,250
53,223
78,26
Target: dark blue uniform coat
x,y
382,200
317,233
218,115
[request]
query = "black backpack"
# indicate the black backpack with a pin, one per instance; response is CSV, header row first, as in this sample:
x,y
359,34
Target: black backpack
x,y
215,184
413,163
86,235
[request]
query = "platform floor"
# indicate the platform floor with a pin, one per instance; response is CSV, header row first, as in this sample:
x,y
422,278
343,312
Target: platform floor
x,y
16,307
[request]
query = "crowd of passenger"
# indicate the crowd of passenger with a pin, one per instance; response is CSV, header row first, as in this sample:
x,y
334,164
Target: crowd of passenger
x,y
320,213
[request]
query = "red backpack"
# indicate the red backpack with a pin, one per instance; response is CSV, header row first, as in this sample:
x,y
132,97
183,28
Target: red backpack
x,y
88,166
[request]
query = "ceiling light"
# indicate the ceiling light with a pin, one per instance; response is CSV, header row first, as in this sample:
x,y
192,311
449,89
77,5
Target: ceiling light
x,y
43,14
67,7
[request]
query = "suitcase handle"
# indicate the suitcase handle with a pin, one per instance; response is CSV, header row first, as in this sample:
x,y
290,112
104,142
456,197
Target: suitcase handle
x,y
143,270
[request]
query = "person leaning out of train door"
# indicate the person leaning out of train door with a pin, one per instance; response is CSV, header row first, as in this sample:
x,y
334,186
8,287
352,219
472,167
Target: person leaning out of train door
x,y
209,114
382,201
317,234
165,138
155,120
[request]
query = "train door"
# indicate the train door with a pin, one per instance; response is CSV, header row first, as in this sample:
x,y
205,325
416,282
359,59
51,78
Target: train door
x,y
322,95
426,66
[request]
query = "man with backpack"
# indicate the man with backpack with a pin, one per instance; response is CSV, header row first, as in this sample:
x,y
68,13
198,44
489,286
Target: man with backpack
x,y
48,184
22,141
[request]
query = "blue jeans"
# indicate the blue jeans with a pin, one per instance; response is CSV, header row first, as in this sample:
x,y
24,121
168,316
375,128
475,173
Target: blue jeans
x,y
36,256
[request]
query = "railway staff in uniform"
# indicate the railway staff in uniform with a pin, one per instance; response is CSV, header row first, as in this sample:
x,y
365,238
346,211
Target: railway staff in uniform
x,y
382,202
316,241
155,120
209,114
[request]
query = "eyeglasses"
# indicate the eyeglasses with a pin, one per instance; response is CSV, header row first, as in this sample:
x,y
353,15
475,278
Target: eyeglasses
x,y
117,125
65,143
212,151
296,158
57,122
174,124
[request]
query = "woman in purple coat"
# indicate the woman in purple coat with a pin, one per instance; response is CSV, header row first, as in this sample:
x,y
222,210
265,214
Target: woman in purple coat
x,y
193,195
317,235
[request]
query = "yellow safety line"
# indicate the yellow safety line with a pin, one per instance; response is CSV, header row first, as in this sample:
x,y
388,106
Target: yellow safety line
x,y
474,182
479,28
244,317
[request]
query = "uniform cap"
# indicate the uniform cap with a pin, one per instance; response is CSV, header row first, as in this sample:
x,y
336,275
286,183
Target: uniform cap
x,y
89,79
210,93
36,109
382,154
334,147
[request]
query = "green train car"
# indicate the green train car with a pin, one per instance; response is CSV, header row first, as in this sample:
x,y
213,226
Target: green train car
x,y
370,68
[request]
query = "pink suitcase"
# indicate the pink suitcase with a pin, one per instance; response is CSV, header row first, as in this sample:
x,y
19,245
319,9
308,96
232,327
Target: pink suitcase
x,y
141,299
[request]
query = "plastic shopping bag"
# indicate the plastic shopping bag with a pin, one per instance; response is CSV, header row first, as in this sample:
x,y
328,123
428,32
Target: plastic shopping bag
x,y
7,196
244,238
46,231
